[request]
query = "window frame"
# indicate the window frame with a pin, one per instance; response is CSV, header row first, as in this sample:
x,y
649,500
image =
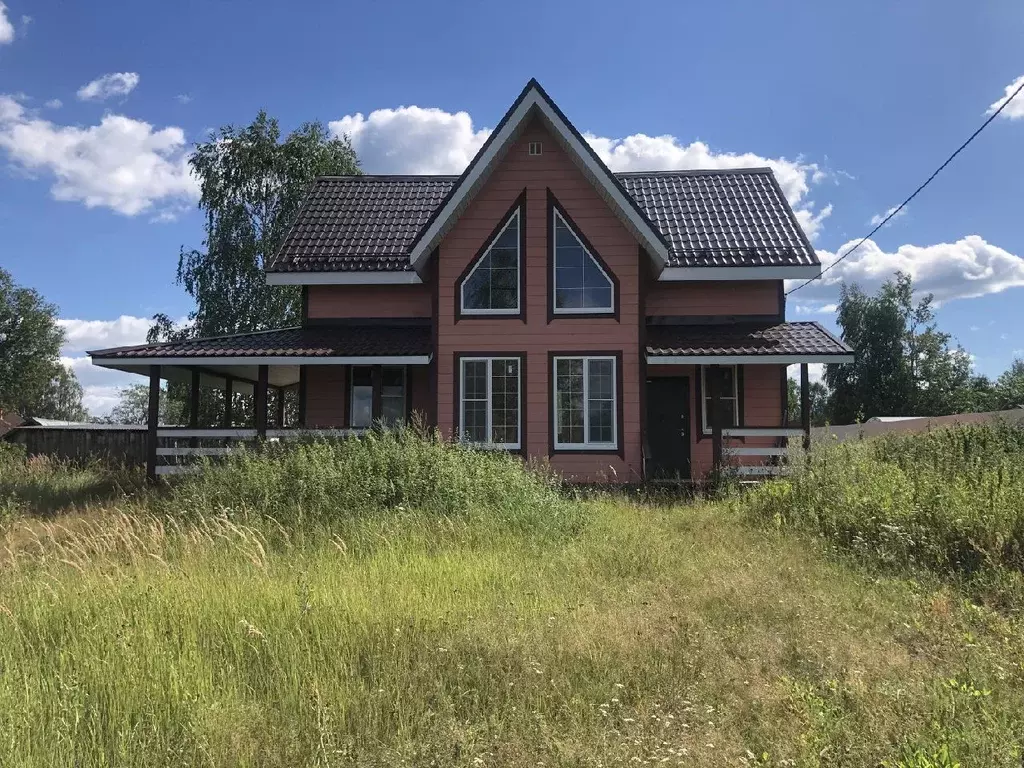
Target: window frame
x,y
612,310
405,393
352,386
516,214
460,398
705,396
587,445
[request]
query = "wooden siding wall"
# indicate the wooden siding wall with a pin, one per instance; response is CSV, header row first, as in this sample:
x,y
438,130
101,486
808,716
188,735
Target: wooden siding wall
x,y
762,407
724,297
123,446
347,301
537,337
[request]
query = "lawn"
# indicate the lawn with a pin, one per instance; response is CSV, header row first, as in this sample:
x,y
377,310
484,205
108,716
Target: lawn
x,y
445,608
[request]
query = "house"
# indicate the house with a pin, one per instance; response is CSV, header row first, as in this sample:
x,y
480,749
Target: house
x,y
627,326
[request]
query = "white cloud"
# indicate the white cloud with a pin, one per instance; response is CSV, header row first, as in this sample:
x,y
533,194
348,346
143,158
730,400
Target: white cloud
x,y
101,387
108,86
83,335
430,140
54,104
412,139
815,372
6,28
968,268
815,309
183,98
123,164
1015,109
878,218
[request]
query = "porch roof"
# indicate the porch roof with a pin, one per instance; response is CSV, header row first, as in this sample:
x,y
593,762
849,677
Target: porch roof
x,y
284,349
775,343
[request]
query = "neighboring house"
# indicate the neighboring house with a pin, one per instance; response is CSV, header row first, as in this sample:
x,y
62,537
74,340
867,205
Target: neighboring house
x,y
8,421
538,303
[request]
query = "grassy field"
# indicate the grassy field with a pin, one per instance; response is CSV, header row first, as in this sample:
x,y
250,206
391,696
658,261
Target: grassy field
x,y
405,602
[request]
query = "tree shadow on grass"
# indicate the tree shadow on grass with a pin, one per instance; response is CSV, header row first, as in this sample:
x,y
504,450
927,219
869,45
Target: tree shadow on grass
x,y
43,489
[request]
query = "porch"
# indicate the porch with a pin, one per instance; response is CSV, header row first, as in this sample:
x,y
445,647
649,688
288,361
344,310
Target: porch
x,y
717,396
276,385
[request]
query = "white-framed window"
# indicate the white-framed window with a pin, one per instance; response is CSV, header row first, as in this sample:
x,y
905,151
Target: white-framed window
x,y
728,393
581,286
490,401
585,403
492,285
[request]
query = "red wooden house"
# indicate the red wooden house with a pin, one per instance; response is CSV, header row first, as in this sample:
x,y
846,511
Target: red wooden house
x,y
627,326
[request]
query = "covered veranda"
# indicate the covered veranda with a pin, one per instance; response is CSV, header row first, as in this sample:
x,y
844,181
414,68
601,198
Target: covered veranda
x,y
275,368
748,431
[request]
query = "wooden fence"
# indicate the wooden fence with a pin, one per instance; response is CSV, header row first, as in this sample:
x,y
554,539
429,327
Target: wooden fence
x,y
124,444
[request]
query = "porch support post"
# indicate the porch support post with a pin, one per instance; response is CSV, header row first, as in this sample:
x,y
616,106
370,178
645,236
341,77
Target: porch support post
x,y
152,421
714,385
262,380
229,396
302,396
805,405
193,407
375,381
279,420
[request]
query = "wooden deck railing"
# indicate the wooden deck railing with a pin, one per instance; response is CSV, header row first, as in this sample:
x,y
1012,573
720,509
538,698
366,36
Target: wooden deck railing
x,y
774,457
179,447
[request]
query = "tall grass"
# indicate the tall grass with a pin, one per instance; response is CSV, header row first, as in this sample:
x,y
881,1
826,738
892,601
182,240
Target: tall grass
x,y
950,500
328,482
374,613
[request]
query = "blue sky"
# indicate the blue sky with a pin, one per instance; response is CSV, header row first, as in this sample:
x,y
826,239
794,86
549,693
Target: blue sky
x,y
853,105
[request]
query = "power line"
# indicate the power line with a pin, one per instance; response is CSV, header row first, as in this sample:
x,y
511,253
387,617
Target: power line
x,y
892,214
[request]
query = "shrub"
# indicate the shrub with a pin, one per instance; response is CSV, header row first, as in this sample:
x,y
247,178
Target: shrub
x,y
951,499
326,480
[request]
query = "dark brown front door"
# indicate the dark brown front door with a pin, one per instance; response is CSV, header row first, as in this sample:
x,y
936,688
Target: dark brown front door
x,y
668,428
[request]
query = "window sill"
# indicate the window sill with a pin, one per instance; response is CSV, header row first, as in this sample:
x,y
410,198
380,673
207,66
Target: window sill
x,y
584,448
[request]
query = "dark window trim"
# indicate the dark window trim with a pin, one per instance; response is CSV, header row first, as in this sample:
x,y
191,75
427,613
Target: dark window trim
x,y
552,206
457,358
698,403
518,205
620,449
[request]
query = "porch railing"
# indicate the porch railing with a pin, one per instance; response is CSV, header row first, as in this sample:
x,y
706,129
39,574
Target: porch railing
x,y
772,458
178,448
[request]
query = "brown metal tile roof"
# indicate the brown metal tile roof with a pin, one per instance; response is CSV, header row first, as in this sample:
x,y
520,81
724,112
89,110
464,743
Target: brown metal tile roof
x,y
743,339
708,218
314,341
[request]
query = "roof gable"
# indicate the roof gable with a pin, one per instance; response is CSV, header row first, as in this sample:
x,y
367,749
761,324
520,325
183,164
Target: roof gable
x,y
534,101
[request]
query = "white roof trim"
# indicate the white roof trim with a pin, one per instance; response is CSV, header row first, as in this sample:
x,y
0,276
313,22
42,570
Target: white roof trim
x,y
670,274
746,359
343,278
227,362
425,244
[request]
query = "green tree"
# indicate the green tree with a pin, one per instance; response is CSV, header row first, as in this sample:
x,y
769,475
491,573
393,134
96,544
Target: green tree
x,y
30,342
62,398
133,407
1009,387
251,185
819,396
904,364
